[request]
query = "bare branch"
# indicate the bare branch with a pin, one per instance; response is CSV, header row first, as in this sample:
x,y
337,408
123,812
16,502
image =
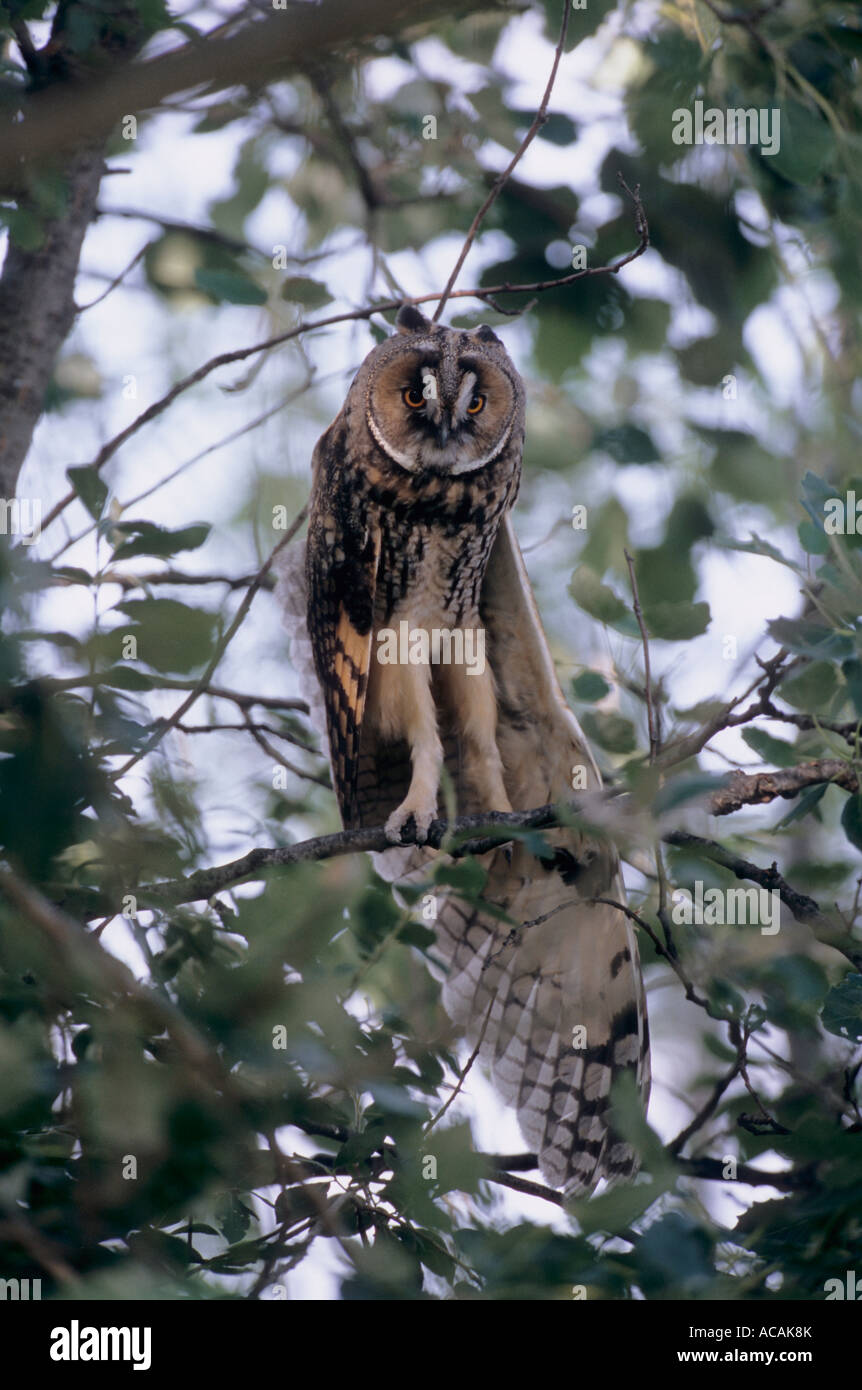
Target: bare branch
x,y
712,1169
530,1189
751,789
112,285
487,294
239,617
60,118
652,723
500,183
710,1106
263,742
802,907
465,1070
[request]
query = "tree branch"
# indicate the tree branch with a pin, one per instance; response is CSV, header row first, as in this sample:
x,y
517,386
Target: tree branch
x,y
499,183
497,825
37,305
802,907
59,119
751,789
652,722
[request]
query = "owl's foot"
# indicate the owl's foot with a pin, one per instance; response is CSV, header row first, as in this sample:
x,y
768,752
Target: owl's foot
x,y
421,816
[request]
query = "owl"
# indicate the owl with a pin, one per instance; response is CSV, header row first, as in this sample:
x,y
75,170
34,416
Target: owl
x,y
434,672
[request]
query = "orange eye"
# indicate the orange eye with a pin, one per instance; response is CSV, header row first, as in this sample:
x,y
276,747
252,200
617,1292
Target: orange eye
x,y
476,404
414,398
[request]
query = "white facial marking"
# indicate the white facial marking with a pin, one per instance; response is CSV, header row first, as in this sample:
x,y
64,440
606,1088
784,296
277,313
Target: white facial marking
x,y
465,395
404,460
469,465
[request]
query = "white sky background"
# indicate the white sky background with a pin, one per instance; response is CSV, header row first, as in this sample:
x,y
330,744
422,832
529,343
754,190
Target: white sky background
x,y
178,175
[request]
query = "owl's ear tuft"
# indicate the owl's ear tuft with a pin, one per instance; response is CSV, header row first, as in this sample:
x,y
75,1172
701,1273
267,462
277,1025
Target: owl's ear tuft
x,y
411,320
486,334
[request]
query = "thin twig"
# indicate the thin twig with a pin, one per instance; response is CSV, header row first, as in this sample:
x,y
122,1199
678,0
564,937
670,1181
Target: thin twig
x,y
263,742
248,598
654,743
676,1145
486,294
464,1072
112,285
539,120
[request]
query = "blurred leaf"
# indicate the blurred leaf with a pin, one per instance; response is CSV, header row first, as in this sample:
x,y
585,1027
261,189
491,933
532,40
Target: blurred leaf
x,y
596,598
677,622
171,636
811,689
229,286
146,538
590,686
851,819
771,749
90,488
842,1011
309,293
809,638
807,145
610,731
627,444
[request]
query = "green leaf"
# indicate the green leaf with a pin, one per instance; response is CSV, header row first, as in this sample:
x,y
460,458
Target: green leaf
x,y
851,819
816,492
89,488
229,286
804,806
458,1165
616,1209
467,875
677,622
309,293
756,545
686,787
769,748
842,1011
627,444
146,538
675,1253
73,575
590,686
852,672
559,129
126,678
813,539
610,731
25,228
810,639
811,689
807,145
596,598
171,636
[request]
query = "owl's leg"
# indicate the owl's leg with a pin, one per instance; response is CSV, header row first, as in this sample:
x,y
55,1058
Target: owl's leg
x,y
475,706
405,709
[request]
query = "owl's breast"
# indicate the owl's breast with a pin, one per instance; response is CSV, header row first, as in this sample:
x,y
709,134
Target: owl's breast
x,y
436,537
431,578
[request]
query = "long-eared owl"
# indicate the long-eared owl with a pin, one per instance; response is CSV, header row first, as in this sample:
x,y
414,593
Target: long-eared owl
x,y
431,661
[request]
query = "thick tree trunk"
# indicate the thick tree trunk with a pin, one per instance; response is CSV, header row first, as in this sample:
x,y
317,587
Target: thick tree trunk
x,y
37,308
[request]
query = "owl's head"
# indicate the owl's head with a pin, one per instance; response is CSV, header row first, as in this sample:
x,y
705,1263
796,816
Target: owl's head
x,y
442,399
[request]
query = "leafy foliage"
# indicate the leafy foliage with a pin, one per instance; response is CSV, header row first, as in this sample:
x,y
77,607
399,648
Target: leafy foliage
x,y
265,1078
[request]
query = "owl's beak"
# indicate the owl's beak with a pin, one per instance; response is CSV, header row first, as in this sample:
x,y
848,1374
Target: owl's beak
x,y
442,434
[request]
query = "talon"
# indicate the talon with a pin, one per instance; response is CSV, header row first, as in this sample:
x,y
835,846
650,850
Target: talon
x,y
400,820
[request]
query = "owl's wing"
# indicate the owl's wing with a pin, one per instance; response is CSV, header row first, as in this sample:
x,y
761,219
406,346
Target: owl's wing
x,y
555,994
562,990
342,556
